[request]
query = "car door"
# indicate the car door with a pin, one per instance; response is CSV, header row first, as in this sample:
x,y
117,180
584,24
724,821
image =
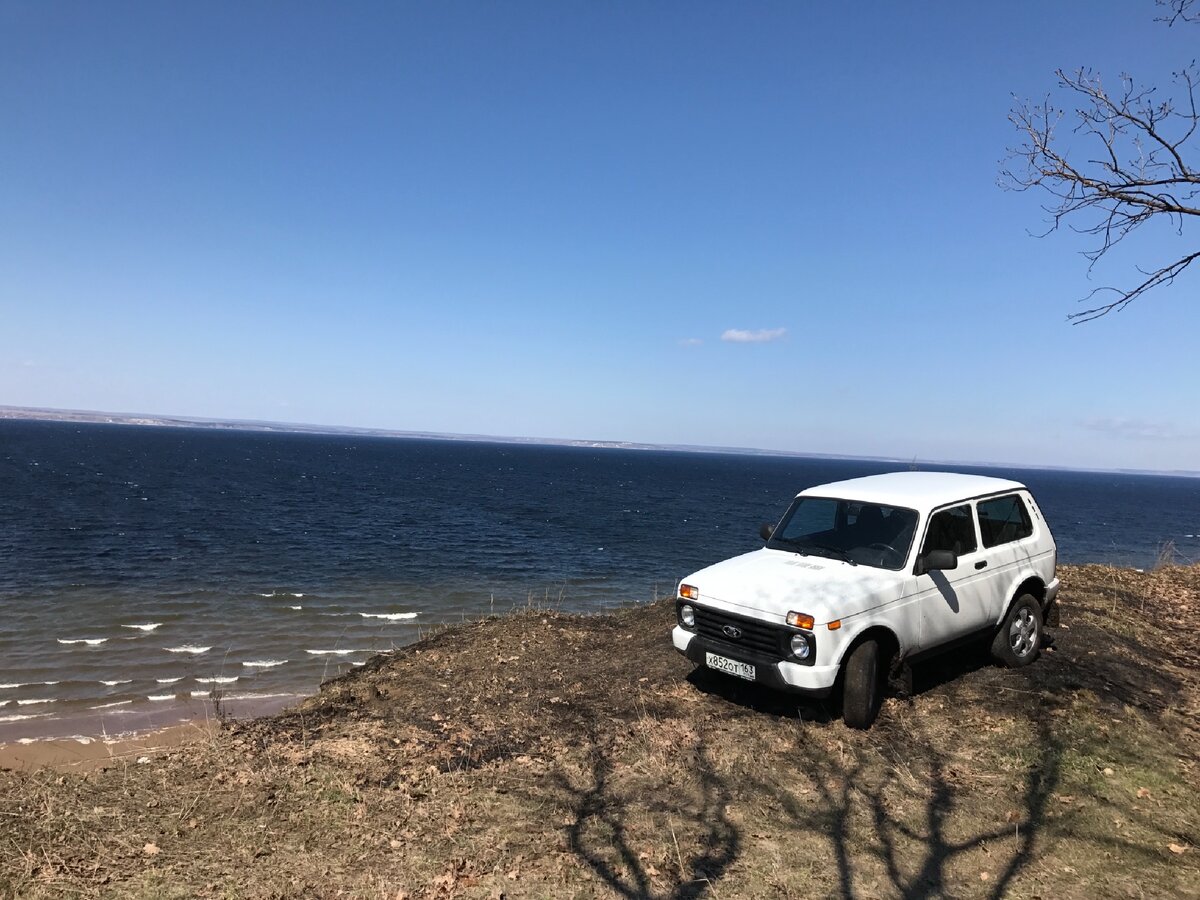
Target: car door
x,y
1006,536
951,601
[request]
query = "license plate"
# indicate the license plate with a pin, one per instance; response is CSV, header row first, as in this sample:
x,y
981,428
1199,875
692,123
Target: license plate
x,y
729,666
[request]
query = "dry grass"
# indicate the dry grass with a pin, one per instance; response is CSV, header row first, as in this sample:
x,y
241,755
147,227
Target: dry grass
x,y
547,755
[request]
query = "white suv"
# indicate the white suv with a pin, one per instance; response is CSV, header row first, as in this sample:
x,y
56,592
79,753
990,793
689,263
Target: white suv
x,y
862,576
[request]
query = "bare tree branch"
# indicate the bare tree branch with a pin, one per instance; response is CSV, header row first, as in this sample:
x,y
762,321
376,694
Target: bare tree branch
x,y
1178,11
1134,162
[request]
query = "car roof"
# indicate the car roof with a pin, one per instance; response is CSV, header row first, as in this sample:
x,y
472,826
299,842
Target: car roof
x,y
916,490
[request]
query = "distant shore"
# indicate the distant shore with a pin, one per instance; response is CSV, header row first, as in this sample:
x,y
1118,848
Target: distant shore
x,y
153,420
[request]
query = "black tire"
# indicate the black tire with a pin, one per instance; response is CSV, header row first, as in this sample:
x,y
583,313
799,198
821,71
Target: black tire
x,y
1019,636
861,692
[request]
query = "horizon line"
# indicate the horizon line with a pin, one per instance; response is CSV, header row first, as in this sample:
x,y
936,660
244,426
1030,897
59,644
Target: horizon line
x,y
159,420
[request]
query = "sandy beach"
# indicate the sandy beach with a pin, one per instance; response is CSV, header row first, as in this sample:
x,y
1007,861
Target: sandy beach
x,y
85,743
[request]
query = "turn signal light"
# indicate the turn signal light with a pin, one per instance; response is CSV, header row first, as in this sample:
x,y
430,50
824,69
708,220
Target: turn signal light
x,y
687,592
800,620
834,625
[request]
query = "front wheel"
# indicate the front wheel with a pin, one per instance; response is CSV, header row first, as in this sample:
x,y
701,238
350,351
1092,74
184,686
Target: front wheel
x,y
1020,634
860,692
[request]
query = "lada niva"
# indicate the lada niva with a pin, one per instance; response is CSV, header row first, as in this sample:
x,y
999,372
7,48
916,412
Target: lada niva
x,y
861,577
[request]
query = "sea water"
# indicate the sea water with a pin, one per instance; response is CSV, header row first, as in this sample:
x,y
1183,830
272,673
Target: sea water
x,y
146,572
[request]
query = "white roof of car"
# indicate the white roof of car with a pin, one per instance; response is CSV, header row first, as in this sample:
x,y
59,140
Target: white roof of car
x,y
915,490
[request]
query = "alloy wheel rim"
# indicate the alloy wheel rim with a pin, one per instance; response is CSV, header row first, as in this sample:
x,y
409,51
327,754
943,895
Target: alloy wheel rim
x,y
1022,635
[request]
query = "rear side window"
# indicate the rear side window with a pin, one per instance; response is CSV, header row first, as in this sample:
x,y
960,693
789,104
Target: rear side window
x,y
1003,520
951,529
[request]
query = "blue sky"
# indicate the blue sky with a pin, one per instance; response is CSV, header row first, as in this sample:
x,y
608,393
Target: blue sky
x,y
542,219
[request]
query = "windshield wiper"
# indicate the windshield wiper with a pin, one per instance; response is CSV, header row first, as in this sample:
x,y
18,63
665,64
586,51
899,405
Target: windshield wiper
x,y
797,546
836,551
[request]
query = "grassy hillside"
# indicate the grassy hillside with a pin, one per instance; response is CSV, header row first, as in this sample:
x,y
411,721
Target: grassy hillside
x,y
547,755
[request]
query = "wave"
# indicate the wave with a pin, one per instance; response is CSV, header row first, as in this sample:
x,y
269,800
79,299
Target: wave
x,y
281,594
168,680
115,683
91,642
36,702
148,627
229,679
336,652
201,693
111,705
158,698
295,607
22,718
264,663
188,648
391,617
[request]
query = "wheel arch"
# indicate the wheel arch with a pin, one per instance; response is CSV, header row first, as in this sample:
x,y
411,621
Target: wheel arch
x,y
889,644
1031,584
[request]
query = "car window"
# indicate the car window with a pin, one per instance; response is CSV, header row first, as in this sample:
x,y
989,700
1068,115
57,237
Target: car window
x,y
1003,520
870,534
951,529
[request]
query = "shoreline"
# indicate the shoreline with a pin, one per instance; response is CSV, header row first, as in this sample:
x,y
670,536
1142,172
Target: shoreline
x,y
109,728
88,754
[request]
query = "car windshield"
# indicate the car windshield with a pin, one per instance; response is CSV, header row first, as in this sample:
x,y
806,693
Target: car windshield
x,y
870,534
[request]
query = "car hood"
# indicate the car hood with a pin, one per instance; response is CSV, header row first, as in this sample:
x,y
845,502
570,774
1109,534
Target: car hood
x,y
776,582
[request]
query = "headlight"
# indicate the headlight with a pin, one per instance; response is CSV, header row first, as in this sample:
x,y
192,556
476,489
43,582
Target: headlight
x,y
800,646
687,616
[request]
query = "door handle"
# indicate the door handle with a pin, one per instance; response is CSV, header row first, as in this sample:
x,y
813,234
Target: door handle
x,y
982,564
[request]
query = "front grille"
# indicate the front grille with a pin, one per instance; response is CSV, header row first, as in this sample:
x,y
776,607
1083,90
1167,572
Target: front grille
x,y
759,637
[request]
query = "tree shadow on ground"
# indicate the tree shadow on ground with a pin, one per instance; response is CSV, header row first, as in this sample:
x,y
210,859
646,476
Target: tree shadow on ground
x,y
599,834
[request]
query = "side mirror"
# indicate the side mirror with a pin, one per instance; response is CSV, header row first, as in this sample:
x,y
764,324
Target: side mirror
x,y
765,530
937,559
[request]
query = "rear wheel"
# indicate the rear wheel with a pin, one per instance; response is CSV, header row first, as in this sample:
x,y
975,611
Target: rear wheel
x,y
861,689
1020,634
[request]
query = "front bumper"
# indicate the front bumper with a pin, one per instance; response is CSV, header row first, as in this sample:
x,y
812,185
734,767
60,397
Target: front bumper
x,y
813,681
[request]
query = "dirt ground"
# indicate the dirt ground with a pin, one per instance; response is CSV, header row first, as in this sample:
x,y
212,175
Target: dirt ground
x,y
546,755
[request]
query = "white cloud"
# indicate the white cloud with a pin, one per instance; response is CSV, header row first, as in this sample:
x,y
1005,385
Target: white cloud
x,y
1136,429
743,336
691,342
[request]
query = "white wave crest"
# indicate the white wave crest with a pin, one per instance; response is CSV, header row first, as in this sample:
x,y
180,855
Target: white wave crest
x,y
91,642
295,607
24,717
36,702
229,679
201,693
150,626
111,705
114,683
188,648
391,617
263,663
158,698
335,652
168,680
